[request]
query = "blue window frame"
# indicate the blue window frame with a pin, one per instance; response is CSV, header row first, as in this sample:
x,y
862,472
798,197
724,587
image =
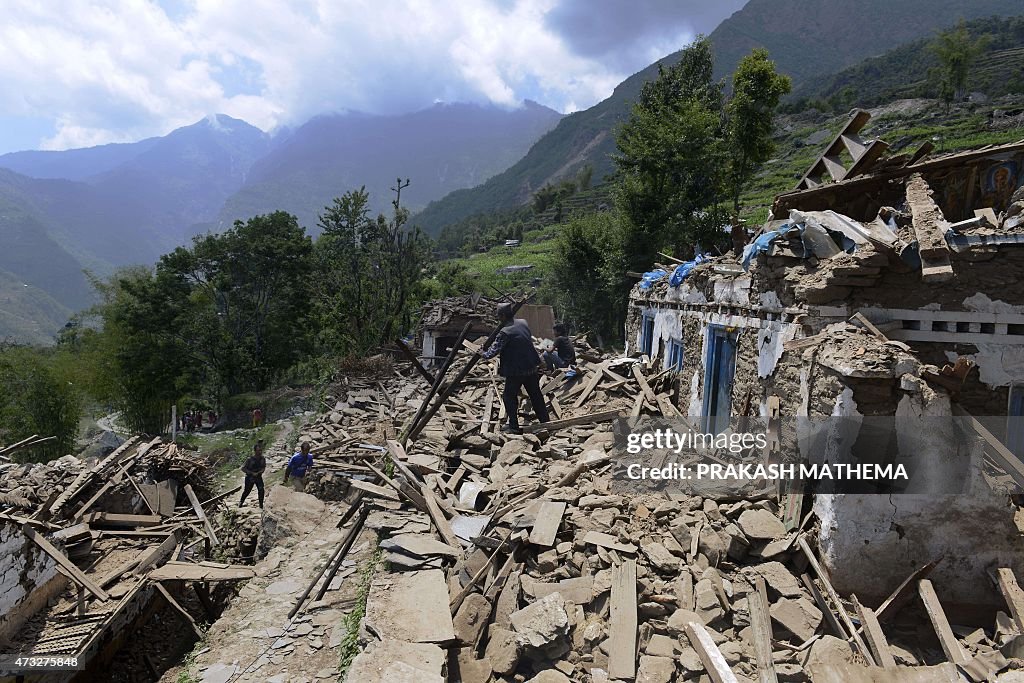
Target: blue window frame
x,y
719,367
647,334
675,355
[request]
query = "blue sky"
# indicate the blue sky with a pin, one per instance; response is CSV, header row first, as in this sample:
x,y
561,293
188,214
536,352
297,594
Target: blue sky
x,y
79,72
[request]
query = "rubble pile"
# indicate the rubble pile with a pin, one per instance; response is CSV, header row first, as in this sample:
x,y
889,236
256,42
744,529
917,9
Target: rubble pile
x,y
517,558
93,544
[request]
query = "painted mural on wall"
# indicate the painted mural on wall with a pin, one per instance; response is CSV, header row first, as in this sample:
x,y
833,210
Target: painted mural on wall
x,y
998,183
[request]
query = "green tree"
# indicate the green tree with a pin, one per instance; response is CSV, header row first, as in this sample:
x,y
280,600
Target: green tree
x,y
757,89
671,158
248,295
36,399
957,50
369,272
590,274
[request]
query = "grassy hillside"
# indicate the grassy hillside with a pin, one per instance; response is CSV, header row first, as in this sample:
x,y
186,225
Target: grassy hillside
x,y
912,70
806,38
28,314
800,139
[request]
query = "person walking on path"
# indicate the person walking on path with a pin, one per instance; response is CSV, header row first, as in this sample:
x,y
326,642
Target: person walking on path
x,y
257,418
518,364
298,467
254,466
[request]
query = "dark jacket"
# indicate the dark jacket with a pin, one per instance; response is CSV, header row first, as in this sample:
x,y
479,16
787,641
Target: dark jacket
x,y
565,351
514,343
255,465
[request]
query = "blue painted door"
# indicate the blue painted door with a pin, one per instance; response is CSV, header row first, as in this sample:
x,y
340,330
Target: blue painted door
x,y
719,367
1015,421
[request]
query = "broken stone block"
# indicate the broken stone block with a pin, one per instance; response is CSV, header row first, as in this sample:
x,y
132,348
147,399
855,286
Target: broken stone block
x,y
655,669
779,581
659,557
761,525
711,545
471,618
410,606
392,661
662,646
799,616
472,670
679,619
829,649
504,649
708,606
543,622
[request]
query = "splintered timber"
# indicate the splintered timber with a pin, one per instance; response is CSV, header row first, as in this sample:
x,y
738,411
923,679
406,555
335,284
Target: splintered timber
x,y
773,471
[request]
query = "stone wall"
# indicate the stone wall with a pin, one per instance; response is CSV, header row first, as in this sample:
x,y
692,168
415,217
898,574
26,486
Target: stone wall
x,y
28,579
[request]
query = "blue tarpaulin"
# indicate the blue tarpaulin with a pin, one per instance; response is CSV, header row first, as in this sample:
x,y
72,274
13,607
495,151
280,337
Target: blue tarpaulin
x,y
683,269
651,277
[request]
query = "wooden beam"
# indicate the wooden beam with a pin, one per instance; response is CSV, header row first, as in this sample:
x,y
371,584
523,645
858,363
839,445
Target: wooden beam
x,y
645,388
761,625
211,534
1013,595
590,418
834,597
876,637
903,593
712,658
623,622
411,357
181,610
439,520
1002,455
950,645
72,572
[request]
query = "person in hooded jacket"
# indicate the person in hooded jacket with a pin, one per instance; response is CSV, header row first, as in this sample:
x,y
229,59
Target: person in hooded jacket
x,y
519,364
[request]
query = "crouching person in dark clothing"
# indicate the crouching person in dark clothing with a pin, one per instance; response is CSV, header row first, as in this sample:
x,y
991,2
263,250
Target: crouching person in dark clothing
x,y
563,354
518,364
254,467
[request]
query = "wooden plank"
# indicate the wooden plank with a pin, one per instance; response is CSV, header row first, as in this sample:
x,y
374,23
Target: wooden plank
x,y
595,377
590,418
950,645
545,528
1013,595
211,534
903,593
645,388
124,521
439,520
411,357
608,541
186,571
373,489
834,597
181,610
407,491
712,658
875,636
859,318
73,572
1002,455
623,622
761,626
819,599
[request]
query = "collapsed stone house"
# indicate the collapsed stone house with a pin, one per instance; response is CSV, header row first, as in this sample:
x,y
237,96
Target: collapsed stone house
x,y
895,291
442,320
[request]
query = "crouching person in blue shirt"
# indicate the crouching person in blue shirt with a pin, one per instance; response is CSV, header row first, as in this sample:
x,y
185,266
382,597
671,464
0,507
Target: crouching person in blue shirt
x,y
298,467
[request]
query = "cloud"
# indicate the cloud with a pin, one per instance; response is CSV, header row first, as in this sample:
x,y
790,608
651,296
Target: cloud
x,y
115,70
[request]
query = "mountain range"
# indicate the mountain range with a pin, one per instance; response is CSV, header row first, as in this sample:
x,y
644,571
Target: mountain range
x,y
113,205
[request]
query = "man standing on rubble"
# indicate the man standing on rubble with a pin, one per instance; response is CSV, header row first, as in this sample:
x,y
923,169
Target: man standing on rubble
x,y
298,467
518,364
563,354
254,467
